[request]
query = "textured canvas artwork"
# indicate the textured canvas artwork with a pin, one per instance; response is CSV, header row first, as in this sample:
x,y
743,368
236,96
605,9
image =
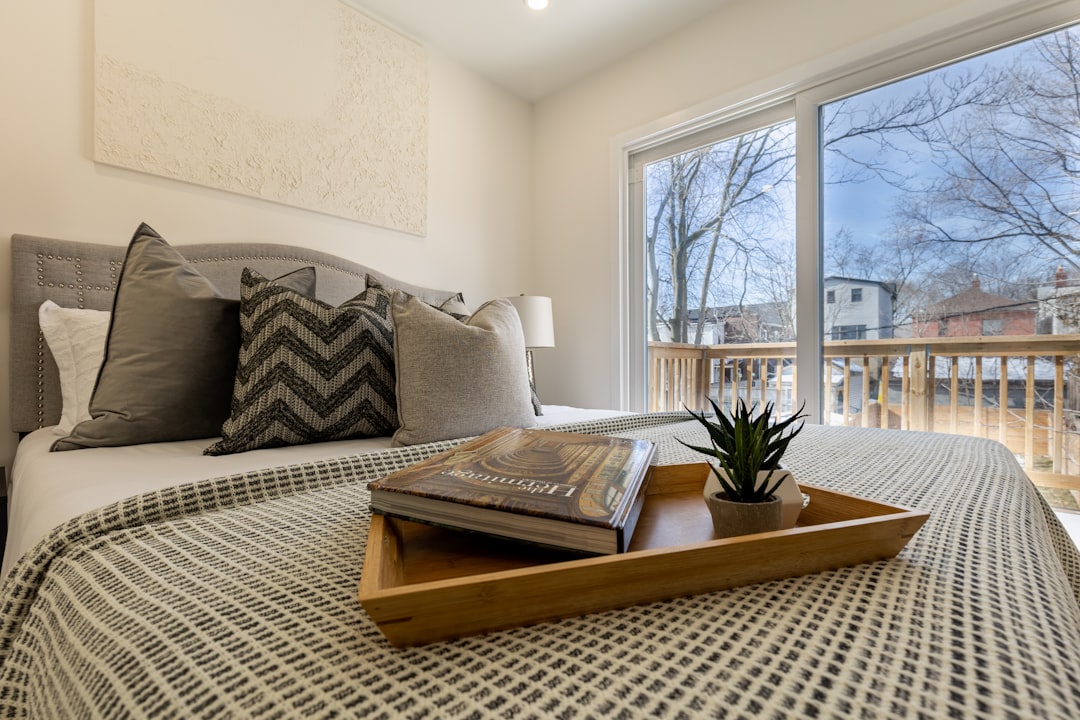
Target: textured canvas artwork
x,y
309,103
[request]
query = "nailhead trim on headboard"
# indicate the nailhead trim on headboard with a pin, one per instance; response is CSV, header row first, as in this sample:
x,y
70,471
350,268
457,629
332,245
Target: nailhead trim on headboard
x,y
58,274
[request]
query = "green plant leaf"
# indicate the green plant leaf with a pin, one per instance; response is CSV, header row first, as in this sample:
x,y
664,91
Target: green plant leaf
x,y
744,443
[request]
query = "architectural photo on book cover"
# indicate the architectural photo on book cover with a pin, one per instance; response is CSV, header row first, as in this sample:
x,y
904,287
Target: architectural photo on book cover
x,y
565,490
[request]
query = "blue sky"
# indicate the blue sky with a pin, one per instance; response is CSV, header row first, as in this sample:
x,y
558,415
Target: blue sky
x,y
865,208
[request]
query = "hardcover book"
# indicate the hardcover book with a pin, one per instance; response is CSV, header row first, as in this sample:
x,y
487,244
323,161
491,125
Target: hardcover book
x,y
565,490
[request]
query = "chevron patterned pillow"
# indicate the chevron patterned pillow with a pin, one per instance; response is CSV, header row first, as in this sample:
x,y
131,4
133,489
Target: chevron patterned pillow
x,y
310,372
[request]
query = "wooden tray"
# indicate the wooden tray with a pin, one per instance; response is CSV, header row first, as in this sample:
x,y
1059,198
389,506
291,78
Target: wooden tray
x,y
423,584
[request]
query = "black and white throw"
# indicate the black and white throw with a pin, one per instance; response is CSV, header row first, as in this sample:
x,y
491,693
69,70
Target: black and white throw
x,y
237,597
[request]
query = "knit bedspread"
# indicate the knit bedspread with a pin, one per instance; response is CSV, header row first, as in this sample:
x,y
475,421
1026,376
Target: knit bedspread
x,y
237,597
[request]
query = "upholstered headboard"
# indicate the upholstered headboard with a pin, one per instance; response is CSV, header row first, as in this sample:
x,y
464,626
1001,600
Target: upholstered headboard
x,y
83,275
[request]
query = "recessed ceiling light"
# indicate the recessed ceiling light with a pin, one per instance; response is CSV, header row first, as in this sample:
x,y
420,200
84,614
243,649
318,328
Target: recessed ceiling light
x,y
536,4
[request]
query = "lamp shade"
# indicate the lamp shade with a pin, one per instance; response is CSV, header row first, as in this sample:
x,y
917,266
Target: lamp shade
x,y
536,321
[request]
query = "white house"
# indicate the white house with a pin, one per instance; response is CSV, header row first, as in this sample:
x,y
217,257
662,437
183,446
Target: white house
x,y
856,309
1059,306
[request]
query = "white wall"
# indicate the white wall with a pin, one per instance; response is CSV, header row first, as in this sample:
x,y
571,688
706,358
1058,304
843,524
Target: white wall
x,y
479,210
748,47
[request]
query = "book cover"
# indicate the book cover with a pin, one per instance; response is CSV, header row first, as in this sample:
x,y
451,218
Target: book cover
x,y
569,490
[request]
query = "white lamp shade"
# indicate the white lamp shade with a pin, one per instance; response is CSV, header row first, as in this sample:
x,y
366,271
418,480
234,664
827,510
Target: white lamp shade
x,y
536,320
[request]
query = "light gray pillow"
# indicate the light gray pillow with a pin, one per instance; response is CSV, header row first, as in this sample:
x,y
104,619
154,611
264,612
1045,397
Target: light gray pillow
x,y
458,378
455,306
171,352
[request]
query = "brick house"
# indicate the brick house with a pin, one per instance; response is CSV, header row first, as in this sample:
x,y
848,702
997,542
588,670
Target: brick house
x,y
975,312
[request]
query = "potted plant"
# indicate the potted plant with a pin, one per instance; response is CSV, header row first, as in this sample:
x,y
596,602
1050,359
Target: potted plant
x,y
747,450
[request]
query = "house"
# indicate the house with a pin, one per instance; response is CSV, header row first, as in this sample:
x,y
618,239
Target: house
x,y
976,312
1059,305
857,309
752,323
522,180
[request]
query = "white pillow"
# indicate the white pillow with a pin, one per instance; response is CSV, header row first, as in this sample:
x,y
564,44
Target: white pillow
x,y
76,339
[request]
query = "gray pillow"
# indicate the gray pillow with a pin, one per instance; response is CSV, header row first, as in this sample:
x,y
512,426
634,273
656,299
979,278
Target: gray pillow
x,y
170,355
456,307
457,379
309,372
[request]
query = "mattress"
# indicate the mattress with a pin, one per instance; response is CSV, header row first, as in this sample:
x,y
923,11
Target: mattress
x,y
47,489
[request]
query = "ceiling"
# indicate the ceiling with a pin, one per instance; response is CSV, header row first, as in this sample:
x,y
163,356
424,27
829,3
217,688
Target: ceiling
x,y
530,53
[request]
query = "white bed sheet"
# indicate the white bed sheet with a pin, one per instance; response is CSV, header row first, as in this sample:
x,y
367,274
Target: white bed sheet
x,y
49,488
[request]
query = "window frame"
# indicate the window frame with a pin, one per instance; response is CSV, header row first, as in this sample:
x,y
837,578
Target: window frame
x,y
997,327
731,115
848,332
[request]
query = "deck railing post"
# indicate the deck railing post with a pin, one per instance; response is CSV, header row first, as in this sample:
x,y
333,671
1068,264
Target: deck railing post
x,y
917,387
701,389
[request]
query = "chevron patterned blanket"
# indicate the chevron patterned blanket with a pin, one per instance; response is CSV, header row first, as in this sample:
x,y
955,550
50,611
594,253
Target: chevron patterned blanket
x,y
236,597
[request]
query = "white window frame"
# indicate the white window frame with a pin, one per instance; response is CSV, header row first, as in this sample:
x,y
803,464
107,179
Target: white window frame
x,y
972,35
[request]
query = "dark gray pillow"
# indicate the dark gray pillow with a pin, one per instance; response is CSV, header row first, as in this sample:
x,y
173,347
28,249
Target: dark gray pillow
x,y
310,372
457,379
170,356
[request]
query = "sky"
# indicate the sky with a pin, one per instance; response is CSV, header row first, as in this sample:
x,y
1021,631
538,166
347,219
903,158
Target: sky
x,y
864,209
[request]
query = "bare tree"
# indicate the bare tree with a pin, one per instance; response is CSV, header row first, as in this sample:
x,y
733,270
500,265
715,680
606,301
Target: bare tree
x,y
711,215
1007,167
984,158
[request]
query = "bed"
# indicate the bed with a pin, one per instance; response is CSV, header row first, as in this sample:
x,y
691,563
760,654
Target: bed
x,y
151,580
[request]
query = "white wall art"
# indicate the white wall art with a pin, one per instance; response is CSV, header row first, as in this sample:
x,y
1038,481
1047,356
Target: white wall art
x,y
309,103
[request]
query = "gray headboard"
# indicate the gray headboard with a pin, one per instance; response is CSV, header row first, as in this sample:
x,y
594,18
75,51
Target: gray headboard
x,y
83,275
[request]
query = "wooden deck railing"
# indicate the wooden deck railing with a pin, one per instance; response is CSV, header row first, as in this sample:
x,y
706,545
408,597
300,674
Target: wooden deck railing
x,y
1023,391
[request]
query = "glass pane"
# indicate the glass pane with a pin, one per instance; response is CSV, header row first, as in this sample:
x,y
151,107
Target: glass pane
x,y
950,203
720,257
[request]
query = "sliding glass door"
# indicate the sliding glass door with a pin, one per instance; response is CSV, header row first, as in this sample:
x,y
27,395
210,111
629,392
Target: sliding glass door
x,y
718,241
905,255
951,250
